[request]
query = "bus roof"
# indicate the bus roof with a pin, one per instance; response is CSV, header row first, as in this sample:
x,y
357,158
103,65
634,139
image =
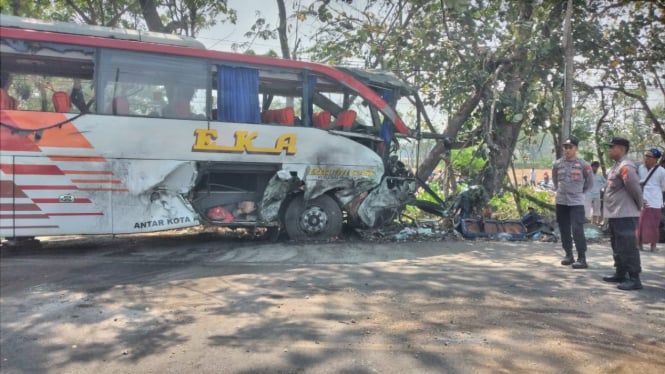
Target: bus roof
x,y
99,31
380,79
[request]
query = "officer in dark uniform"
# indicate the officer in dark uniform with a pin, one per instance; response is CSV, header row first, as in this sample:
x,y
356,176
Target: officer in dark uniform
x,y
622,203
572,178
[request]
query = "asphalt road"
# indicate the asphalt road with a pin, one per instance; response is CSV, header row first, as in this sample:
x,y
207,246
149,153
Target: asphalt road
x,y
194,303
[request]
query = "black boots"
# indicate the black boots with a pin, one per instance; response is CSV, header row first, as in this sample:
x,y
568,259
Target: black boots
x,y
632,283
580,263
568,260
617,277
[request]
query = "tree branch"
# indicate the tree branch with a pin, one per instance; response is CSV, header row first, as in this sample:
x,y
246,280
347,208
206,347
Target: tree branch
x,y
658,127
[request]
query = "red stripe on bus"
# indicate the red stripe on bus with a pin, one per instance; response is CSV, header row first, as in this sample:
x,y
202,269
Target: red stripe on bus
x,y
29,227
46,187
19,207
101,181
9,189
64,136
73,214
57,201
31,169
77,158
104,189
11,141
23,216
88,172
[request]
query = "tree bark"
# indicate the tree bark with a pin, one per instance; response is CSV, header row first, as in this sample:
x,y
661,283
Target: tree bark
x,y
435,155
568,73
281,30
505,130
152,20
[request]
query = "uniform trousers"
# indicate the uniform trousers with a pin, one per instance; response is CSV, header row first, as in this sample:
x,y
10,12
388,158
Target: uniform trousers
x,y
571,220
624,245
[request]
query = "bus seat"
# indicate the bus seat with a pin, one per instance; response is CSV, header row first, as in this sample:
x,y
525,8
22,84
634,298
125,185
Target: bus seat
x,y
182,109
61,102
177,109
284,116
321,120
6,101
345,119
120,105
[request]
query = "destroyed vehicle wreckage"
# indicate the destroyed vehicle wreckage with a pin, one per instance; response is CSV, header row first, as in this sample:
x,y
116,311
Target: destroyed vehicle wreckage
x,y
175,136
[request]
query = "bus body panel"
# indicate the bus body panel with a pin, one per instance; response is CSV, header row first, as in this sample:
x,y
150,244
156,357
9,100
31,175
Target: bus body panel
x,y
149,151
109,174
51,196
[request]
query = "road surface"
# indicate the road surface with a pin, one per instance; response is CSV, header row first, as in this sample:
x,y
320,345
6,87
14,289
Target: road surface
x,y
195,303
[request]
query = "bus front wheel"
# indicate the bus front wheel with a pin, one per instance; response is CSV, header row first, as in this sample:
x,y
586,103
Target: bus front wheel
x,y
316,219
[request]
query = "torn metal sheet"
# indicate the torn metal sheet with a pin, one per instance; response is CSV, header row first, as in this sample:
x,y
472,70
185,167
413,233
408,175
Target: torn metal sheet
x,y
145,176
278,188
156,196
346,181
383,203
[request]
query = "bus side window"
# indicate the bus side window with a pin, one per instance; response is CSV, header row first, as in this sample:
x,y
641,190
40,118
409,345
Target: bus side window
x,y
281,97
152,85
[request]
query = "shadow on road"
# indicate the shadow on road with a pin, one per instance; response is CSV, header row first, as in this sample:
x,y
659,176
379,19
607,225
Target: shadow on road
x,y
455,306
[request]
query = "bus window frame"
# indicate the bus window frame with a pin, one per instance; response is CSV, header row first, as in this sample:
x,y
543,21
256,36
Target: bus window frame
x,y
109,58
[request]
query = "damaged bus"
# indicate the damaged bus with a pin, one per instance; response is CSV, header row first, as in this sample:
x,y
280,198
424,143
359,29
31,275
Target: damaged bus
x,y
108,131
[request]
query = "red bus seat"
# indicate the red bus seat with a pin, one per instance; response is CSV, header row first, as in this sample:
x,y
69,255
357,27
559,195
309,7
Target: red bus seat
x,y
182,109
345,119
321,120
120,105
6,101
61,102
284,116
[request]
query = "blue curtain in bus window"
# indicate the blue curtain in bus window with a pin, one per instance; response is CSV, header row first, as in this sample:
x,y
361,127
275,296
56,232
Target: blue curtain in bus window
x,y
238,94
311,85
387,96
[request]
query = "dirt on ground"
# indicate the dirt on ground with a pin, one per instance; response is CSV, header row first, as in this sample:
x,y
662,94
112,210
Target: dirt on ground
x,y
197,303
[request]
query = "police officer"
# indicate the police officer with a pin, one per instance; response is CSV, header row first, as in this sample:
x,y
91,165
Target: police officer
x,y
622,203
572,177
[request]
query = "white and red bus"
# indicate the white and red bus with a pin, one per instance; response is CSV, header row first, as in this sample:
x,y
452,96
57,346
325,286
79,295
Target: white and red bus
x,y
108,131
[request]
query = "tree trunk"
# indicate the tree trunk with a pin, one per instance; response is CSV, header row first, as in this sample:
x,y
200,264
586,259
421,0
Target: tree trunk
x,y
281,30
505,130
151,16
504,140
437,152
568,72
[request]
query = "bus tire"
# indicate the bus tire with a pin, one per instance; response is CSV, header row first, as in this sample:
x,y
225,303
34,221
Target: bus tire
x,y
316,219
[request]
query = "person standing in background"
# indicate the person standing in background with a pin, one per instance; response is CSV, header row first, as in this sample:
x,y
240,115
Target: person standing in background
x,y
572,178
532,180
652,180
592,203
621,206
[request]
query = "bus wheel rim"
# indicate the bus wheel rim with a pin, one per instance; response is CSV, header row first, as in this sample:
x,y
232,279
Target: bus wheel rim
x,y
313,220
